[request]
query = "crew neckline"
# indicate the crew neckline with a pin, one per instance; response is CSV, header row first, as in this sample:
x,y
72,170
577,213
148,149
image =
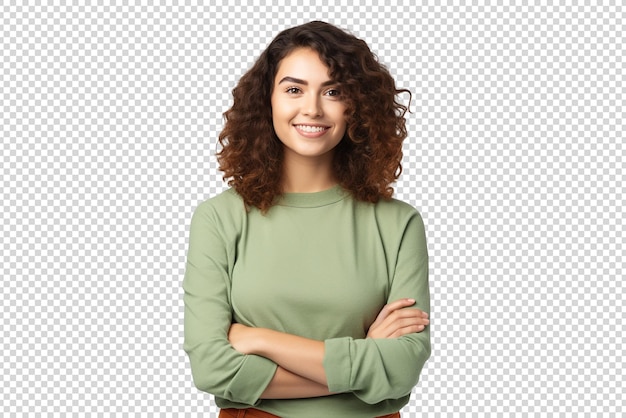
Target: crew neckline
x,y
314,199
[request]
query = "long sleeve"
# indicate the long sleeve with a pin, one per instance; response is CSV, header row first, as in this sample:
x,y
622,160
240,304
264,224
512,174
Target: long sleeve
x,y
216,367
379,369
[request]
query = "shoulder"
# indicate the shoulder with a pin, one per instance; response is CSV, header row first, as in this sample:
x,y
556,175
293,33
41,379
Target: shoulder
x,y
224,210
399,221
396,210
228,200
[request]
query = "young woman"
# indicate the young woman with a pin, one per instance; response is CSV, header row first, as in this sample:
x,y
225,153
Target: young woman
x,y
306,285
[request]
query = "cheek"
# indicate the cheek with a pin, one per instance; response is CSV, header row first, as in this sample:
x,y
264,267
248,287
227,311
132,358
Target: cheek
x,y
275,115
280,112
340,114
343,131
344,120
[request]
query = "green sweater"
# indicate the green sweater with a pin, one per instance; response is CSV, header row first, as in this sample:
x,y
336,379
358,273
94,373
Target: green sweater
x,y
319,265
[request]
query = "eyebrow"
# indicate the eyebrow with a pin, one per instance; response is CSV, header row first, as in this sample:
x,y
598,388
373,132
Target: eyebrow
x,y
304,82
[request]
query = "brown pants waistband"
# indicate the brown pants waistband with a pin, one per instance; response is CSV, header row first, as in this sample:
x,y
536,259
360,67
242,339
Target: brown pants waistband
x,y
257,413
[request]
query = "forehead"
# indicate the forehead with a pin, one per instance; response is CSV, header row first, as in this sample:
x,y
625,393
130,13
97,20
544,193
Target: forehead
x,y
303,63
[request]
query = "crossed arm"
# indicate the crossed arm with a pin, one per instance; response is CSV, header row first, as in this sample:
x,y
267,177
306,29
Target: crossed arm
x,y
300,372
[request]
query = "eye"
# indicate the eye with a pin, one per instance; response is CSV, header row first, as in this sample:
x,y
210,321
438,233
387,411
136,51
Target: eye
x,y
292,90
333,92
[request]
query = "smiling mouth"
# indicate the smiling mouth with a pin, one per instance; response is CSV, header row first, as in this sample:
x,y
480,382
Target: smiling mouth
x,y
311,129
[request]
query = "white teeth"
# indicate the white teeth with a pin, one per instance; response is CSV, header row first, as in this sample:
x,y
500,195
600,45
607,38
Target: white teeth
x,y
311,129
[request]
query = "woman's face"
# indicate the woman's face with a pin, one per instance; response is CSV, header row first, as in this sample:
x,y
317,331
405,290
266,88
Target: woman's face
x,y
307,108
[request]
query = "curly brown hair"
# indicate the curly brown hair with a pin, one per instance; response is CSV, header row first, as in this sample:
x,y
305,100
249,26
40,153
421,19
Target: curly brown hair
x,y
367,159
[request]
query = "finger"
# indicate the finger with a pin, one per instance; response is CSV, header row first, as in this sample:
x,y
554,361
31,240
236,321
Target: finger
x,y
389,308
400,303
395,306
408,330
391,327
392,307
384,322
417,311
406,313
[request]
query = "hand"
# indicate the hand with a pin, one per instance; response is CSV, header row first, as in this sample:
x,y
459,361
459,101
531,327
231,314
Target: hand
x,y
394,322
241,337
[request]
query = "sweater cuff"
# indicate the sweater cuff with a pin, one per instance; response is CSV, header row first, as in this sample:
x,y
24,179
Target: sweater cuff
x,y
337,364
248,384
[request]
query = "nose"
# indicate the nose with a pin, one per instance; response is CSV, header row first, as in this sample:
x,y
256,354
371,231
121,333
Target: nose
x,y
312,106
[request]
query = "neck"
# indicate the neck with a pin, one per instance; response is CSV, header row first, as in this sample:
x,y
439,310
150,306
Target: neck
x,y
303,175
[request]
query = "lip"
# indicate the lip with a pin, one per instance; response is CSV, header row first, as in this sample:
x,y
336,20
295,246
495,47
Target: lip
x,y
311,134
317,125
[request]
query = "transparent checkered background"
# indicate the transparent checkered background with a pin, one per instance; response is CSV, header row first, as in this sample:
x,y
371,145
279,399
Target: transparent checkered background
x,y
109,116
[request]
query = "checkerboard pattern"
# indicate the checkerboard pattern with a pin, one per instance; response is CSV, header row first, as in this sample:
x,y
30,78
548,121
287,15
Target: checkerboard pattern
x,y
109,115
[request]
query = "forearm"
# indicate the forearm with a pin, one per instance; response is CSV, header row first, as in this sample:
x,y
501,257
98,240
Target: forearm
x,y
298,355
288,385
